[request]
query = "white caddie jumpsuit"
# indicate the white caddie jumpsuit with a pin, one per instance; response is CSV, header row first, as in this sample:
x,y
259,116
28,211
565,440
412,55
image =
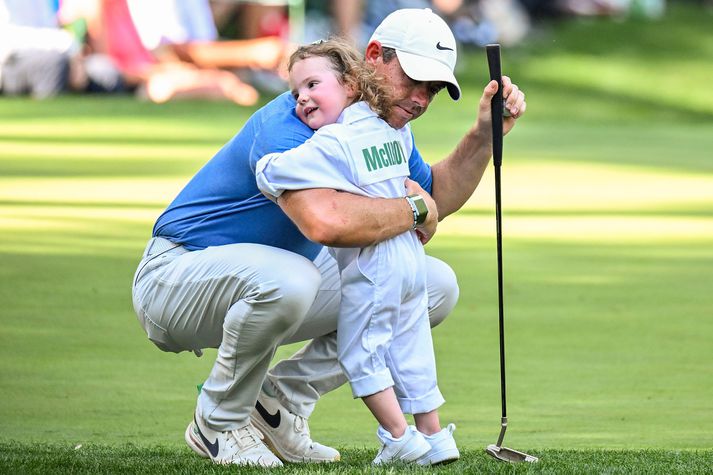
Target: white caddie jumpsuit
x,y
383,331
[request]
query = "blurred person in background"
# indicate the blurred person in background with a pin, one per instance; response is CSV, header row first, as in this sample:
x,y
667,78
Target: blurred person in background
x,y
480,22
264,23
241,19
110,31
474,22
185,29
35,54
601,8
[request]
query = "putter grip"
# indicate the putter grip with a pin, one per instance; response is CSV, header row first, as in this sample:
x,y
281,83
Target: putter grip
x,y
496,104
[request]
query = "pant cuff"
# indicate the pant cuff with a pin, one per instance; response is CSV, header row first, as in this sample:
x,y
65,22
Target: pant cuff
x,y
426,403
372,383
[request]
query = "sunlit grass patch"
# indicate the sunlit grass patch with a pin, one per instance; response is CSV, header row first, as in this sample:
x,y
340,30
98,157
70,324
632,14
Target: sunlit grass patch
x,y
574,228
142,190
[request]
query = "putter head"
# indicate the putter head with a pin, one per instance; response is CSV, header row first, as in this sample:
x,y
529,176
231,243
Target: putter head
x,y
509,455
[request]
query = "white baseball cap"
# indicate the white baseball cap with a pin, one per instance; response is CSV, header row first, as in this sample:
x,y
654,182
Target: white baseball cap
x,y
424,45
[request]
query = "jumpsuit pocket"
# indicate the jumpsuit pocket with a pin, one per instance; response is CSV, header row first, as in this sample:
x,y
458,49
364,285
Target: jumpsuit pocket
x,y
369,264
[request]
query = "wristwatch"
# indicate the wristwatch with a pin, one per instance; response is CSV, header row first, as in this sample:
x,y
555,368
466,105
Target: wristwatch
x,y
419,208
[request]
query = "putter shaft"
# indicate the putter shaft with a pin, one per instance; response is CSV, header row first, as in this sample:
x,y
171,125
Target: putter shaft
x,y
496,107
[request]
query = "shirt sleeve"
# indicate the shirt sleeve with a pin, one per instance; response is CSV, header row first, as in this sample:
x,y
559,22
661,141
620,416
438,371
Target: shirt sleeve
x,y
318,163
281,131
419,170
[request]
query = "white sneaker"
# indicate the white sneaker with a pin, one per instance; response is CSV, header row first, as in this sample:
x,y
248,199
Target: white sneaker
x,y
287,434
407,448
443,448
242,446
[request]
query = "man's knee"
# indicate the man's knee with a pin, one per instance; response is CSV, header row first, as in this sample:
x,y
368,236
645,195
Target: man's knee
x,y
292,296
443,290
299,289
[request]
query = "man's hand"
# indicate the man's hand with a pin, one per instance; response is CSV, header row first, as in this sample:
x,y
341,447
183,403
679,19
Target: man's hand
x,y
427,229
456,177
513,98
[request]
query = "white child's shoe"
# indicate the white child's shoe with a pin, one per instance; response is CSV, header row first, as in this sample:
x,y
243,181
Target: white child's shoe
x,y
407,448
443,448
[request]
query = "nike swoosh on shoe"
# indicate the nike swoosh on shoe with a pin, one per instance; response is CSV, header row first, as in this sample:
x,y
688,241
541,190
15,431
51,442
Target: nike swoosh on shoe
x,y
212,447
273,420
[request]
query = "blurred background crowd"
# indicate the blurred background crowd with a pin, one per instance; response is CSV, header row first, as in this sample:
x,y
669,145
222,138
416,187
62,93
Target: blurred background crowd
x,y
161,50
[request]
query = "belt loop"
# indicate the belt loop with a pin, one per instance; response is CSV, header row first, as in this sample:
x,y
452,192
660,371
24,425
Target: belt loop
x,y
159,245
149,247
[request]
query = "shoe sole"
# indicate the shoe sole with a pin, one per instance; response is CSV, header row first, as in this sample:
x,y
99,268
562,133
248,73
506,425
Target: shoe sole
x,y
441,462
194,444
442,458
446,461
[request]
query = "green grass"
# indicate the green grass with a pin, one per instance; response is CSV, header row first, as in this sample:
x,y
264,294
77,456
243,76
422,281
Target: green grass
x,y
98,459
608,241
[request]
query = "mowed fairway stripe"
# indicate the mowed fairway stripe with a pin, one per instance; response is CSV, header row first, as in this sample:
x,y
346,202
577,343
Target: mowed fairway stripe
x,y
585,229
158,191
107,150
575,201
560,186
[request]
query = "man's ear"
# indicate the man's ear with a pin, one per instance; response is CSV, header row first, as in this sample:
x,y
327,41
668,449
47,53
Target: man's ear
x,y
373,52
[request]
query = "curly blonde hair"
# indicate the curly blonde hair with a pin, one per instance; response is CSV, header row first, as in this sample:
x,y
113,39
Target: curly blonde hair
x,y
351,70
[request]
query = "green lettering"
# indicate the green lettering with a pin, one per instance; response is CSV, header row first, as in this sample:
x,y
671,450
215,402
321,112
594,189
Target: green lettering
x,y
399,153
394,152
389,156
371,160
382,161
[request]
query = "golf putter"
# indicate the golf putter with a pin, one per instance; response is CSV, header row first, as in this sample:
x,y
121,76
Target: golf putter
x,y
497,450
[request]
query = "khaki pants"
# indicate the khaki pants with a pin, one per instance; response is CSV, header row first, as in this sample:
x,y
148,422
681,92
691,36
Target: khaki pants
x,y
246,300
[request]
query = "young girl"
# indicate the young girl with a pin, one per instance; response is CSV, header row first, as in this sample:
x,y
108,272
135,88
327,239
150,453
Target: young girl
x,y
383,335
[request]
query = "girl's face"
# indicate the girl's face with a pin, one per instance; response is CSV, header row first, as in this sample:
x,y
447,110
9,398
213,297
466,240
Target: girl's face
x,y
320,96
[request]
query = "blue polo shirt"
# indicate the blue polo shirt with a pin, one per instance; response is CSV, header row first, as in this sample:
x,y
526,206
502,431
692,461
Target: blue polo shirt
x,y
222,205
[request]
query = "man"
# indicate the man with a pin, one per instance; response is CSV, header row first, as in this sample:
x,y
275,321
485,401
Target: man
x,y
228,269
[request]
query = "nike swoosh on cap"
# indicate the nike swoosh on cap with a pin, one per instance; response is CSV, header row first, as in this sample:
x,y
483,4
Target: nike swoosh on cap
x,y
273,420
441,47
212,448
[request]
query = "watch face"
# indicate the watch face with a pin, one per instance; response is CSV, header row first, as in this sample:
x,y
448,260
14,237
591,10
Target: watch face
x,y
421,208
